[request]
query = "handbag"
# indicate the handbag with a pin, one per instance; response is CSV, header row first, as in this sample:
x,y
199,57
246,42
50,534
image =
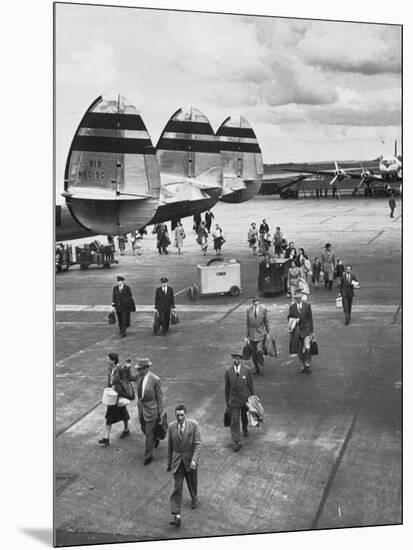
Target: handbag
x,y
227,418
112,318
132,306
339,301
109,397
313,347
174,318
156,323
161,427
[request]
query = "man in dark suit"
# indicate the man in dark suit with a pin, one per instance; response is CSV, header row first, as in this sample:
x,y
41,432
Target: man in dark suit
x,y
348,282
300,319
122,303
209,216
239,386
291,251
256,329
164,303
184,449
150,406
392,204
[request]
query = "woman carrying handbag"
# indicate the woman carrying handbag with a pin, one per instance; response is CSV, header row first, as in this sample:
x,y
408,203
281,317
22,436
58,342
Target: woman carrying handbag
x,y
115,413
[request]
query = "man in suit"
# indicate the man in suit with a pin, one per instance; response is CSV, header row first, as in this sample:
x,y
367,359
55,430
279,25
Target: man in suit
x,y
209,216
122,303
303,330
150,406
257,327
239,386
291,251
348,281
164,303
392,204
184,449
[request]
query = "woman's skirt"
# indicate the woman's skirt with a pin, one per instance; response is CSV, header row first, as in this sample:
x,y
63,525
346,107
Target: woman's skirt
x,y
116,414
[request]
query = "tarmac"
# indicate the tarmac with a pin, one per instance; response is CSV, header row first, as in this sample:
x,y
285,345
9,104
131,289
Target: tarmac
x,y
329,452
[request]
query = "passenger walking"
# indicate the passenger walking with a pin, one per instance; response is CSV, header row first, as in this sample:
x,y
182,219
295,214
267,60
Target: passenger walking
x,y
294,273
114,413
239,385
197,222
179,236
253,238
392,204
164,304
218,237
347,285
150,406
277,242
202,238
300,326
291,251
328,263
257,327
315,278
184,450
209,216
122,241
123,304
136,239
264,227
163,241
338,272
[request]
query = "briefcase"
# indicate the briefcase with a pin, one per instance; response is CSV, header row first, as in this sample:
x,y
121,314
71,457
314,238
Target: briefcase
x,y
156,323
313,347
111,318
246,351
339,301
174,318
227,418
161,427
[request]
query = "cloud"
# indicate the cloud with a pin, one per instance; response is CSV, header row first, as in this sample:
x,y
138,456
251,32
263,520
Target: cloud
x,y
353,47
92,64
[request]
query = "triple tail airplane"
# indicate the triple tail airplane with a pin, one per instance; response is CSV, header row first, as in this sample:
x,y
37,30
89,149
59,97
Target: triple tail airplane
x,y
117,182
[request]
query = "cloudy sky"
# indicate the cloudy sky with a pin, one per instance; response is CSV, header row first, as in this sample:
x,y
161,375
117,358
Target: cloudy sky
x,y
312,90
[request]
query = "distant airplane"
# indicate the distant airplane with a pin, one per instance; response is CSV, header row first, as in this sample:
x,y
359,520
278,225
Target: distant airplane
x,y
242,160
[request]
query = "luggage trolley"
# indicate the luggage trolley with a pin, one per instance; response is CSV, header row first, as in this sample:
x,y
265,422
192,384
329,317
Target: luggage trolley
x,y
217,277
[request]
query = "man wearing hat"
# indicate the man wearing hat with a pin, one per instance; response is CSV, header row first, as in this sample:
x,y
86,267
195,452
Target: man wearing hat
x,y
257,327
300,321
164,302
150,405
123,304
239,386
347,284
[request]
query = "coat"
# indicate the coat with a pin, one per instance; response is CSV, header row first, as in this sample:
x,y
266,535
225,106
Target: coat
x,y
164,302
122,300
258,326
346,288
305,316
328,260
188,449
150,405
179,236
238,388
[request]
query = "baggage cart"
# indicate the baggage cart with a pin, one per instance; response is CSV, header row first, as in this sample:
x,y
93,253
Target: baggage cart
x,y
217,277
95,254
272,275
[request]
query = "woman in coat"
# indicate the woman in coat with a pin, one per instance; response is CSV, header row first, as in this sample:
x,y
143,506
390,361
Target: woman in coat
x,y
294,274
253,238
114,413
179,236
328,261
202,238
218,239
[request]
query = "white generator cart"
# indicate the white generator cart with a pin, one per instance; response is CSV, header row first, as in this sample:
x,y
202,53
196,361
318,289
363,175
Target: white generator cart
x,y
217,277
